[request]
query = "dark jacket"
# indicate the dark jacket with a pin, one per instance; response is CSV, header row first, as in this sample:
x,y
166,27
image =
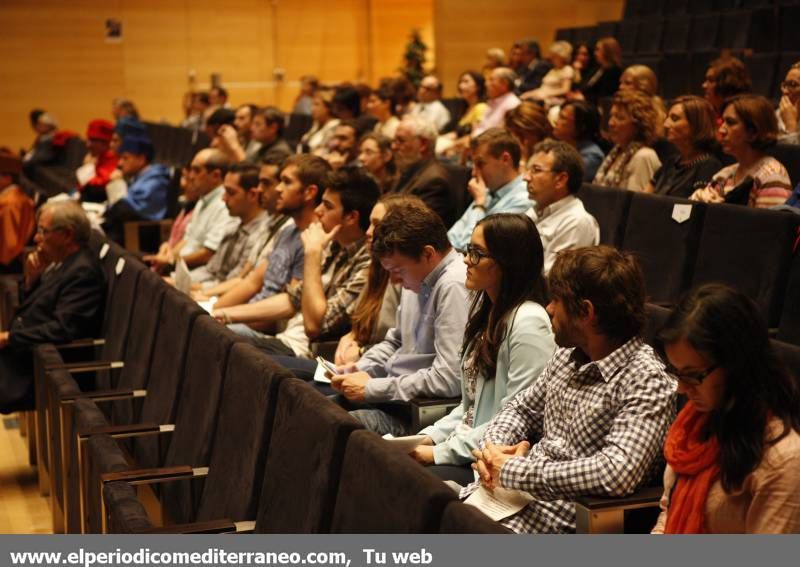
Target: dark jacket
x,y
67,305
430,181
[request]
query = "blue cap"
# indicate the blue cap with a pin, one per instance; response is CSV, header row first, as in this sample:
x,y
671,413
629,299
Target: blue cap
x,y
139,145
128,126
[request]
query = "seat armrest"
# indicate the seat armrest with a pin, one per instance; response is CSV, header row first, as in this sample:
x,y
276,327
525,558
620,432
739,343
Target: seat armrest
x,y
99,396
155,476
210,527
603,514
426,411
80,343
90,366
127,431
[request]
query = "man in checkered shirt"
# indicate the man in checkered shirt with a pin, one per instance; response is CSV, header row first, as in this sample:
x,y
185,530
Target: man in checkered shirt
x,y
598,414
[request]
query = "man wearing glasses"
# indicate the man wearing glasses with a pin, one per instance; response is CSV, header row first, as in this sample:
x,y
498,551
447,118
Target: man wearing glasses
x,y
554,175
64,297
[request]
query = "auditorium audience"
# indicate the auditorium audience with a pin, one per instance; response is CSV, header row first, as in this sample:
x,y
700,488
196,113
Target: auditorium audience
x,y
583,63
531,68
376,308
303,104
17,212
343,147
419,355
420,173
507,342
495,57
102,162
216,121
528,123
63,299
428,104
632,127
197,107
594,421
242,199
267,130
375,155
578,125
471,88
334,272
123,108
558,80
642,78
186,208
218,97
725,77
604,82
303,178
42,150
788,108
500,90
147,187
690,127
381,104
243,122
266,237
322,129
496,185
748,128
210,219
554,175
733,453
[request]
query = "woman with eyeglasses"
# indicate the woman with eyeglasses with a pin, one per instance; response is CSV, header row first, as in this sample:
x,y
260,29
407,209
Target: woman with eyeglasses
x,y
789,106
507,341
733,452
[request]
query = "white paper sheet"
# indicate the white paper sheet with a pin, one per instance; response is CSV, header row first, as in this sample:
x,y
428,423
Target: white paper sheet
x,y
406,443
499,504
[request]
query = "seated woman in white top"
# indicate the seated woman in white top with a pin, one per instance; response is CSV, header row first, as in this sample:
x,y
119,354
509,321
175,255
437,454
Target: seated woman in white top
x,y
507,342
733,452
382,104
558,80
632,126
321,132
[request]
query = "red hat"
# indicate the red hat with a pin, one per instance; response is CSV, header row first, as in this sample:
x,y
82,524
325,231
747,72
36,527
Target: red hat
x,y
100,129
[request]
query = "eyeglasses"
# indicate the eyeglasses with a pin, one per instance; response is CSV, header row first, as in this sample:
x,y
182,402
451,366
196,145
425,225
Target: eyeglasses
x,y
473,254
691,378
790,85
45,231
535,169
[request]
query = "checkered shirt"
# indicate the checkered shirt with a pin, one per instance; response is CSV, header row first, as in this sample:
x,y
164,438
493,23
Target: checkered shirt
x,y
600,428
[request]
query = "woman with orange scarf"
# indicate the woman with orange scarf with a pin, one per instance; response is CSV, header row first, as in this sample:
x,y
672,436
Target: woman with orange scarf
x,y
733,453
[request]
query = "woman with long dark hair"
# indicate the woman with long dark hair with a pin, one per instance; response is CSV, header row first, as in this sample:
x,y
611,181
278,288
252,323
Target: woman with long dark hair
x,y
733,453
507,341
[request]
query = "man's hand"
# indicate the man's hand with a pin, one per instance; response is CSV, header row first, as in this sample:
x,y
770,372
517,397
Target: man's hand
x,y
163,258
336,160
348,350
35,265
423,453
478,190
315,239
4,338
351,386
489,461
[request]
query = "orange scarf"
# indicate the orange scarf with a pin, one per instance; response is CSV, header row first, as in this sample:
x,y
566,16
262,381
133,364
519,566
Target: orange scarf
x,y
695,461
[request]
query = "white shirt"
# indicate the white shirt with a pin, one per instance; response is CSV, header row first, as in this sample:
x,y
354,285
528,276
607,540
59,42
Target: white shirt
x,y
564,225
210,222
434,111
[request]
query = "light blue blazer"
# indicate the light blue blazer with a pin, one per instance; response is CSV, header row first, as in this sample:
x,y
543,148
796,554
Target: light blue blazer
x,y
525,351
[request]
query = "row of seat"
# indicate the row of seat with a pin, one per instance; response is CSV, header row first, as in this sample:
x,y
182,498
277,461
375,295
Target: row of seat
x,y
170,394
681,244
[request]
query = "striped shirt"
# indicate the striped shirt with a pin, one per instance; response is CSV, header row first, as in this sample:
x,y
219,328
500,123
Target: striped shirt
x,y
600,427
771,183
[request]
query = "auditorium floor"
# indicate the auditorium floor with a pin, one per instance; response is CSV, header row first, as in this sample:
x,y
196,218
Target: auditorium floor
x,y
22,509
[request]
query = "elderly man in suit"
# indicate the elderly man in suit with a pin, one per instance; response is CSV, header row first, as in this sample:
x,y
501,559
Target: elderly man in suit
x,y
64,297
421,174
